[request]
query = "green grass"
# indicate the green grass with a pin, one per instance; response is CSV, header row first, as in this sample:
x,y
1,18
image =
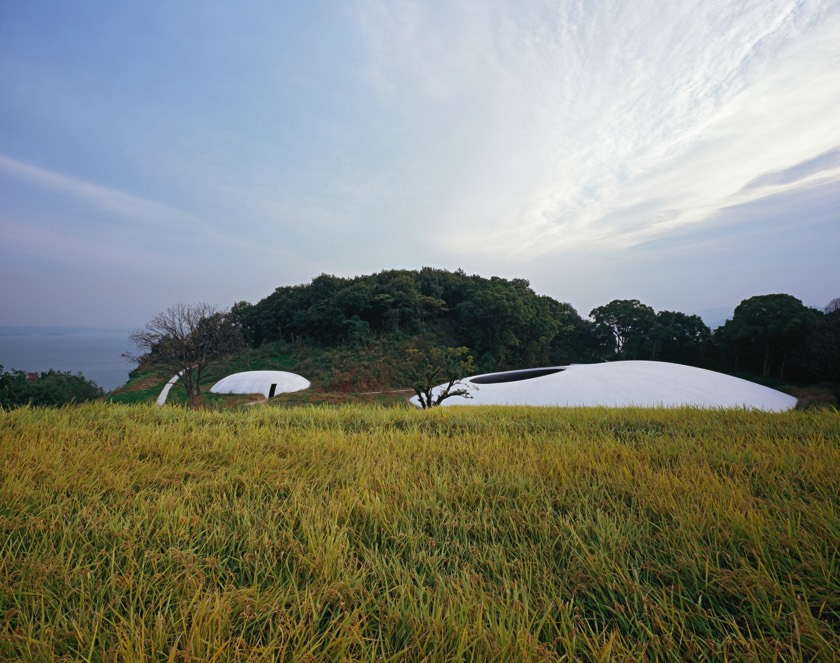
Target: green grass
x,y
387,534
338,375
143,386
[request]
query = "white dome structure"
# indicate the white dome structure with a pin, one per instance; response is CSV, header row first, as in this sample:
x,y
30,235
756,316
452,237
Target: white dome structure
x,y
620,384
267,383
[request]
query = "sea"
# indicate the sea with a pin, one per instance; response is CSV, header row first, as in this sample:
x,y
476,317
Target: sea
x,y
95,353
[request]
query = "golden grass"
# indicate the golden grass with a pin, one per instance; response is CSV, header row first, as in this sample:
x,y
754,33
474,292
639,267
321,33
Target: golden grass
x,y
373,534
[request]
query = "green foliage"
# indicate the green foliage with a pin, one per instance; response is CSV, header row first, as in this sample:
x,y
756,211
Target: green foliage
x,y
630,323
502,322
352,333
679,338
766,328
823,347
51,388
370,534
429,367
144,386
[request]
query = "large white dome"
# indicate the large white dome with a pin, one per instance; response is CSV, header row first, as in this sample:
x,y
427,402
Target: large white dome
x,y
267,383
620,384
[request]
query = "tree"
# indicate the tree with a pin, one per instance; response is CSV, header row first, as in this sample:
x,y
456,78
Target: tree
x,y
822,342
767,327
630,322
185,339
243,315
50,388
833,305
503,321
447,367
679,337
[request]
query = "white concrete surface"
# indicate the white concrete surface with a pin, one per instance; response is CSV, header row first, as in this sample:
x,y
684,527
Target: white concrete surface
x,y
164,394
259,382
626,384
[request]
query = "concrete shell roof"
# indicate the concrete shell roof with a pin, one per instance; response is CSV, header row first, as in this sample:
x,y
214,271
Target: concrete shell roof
x,y
621,384
259,382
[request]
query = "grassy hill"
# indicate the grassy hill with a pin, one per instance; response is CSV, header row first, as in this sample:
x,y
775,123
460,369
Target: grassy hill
x,y
349,336
339,374
343,374
376,534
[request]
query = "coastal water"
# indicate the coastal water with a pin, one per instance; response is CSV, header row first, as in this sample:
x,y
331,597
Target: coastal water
x,y
93,352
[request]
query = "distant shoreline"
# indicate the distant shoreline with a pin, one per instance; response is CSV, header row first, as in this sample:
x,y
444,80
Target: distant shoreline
x,y
94,352
36,330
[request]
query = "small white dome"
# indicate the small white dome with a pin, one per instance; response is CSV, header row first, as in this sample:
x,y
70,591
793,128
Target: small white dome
x,y
267,383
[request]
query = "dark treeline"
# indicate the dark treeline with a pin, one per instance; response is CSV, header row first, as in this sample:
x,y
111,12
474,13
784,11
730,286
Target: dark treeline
x,y
49,388
506,325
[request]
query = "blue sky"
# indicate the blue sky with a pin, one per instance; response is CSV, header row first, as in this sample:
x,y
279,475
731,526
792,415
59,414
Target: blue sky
x,y
684,154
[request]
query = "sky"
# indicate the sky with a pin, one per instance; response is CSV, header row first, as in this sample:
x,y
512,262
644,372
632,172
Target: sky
x,y
686,154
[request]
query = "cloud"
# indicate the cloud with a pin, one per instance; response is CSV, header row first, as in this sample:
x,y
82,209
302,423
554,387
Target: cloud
x,y
777,221
122,205
503,137
560,123
827,161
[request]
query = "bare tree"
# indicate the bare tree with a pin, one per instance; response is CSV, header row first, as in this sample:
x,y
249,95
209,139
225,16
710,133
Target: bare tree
x,y
430,367
833,305
185,339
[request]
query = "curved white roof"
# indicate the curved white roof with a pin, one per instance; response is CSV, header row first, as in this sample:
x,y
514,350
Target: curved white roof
x,y
621,384
260,382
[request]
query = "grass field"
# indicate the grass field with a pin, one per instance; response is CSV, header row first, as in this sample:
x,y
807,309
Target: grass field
x,y
364,533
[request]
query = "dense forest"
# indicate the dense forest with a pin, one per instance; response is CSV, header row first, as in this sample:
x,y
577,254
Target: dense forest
x,y
506,325
48,388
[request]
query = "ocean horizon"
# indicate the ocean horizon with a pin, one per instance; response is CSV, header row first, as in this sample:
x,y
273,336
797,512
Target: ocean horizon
x,y
94,352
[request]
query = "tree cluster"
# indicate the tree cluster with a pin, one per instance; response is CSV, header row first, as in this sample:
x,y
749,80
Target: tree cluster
x,y
772,336
502,322
770,333
496,324
628,329
50,388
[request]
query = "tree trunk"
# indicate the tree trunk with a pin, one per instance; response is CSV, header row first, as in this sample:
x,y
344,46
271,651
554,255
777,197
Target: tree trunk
x,y
767,356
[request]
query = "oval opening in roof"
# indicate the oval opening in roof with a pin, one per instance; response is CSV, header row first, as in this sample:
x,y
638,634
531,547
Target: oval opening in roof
x,y
515,376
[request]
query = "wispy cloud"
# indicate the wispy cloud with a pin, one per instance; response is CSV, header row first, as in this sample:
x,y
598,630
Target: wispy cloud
x,y
562,123
502,136
124,206
826,162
